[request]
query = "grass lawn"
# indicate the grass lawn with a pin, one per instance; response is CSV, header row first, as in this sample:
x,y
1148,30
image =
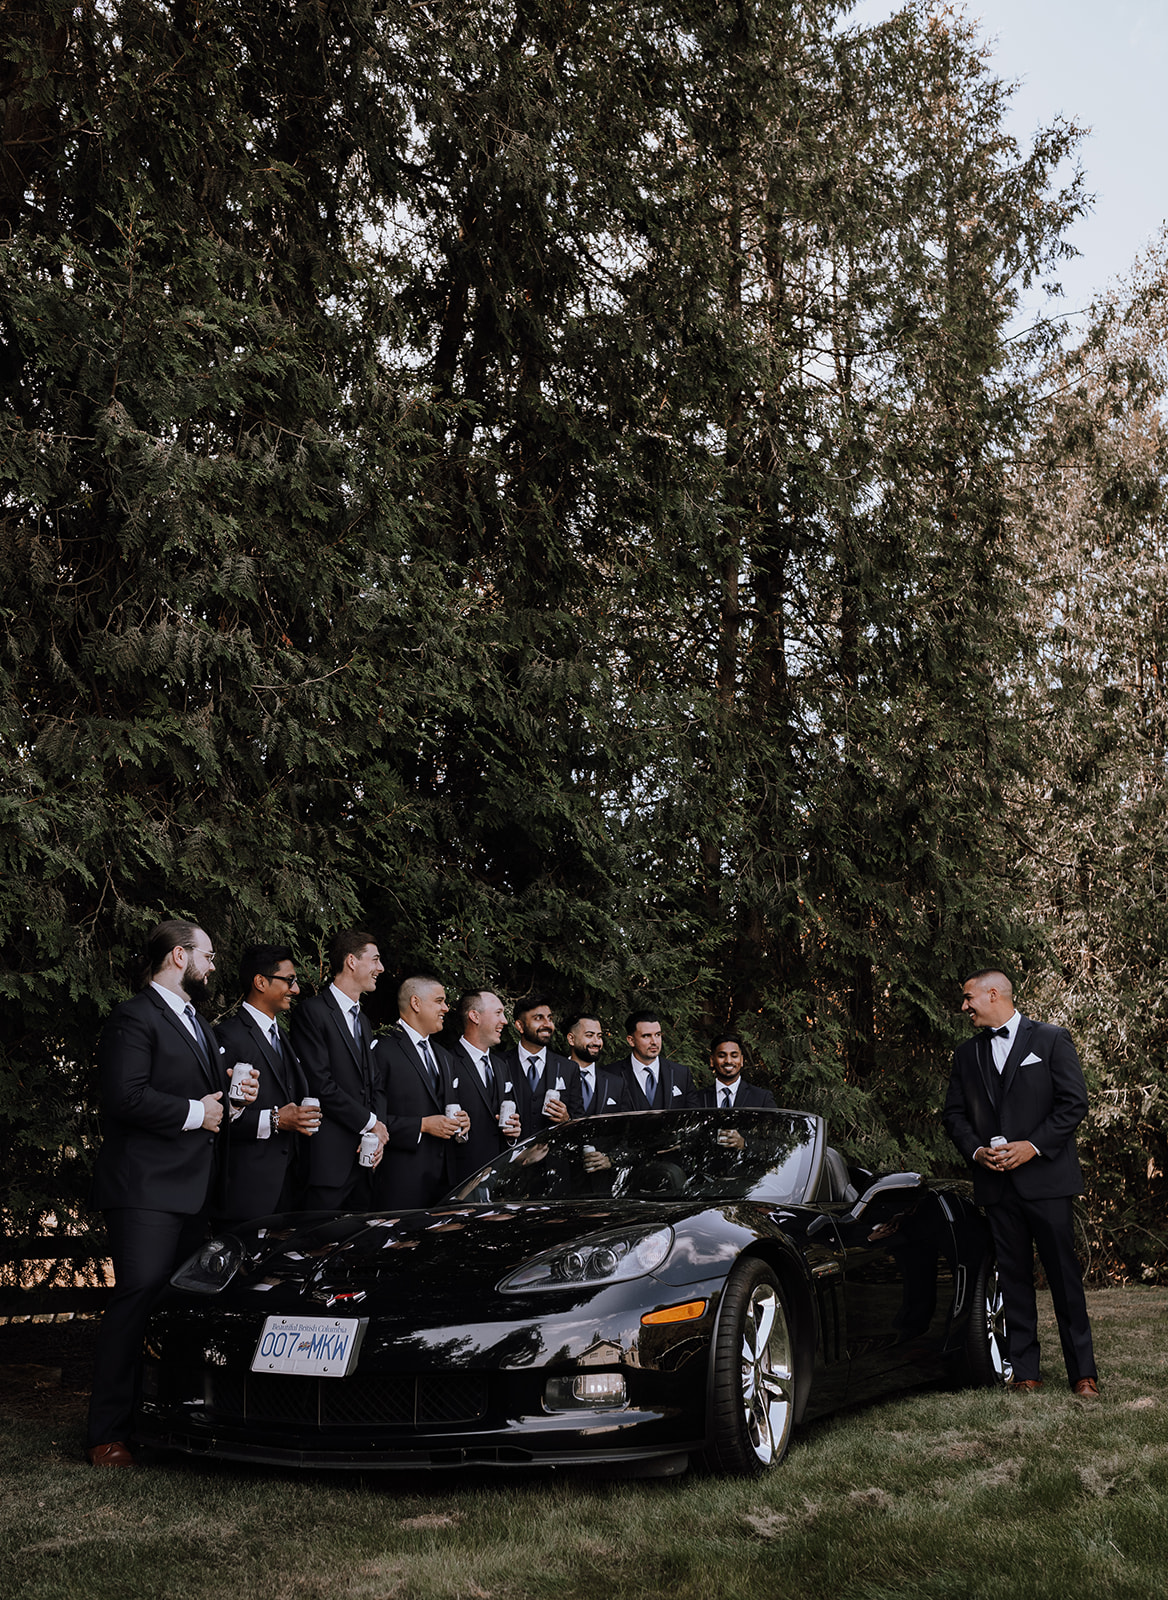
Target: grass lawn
x,y
940,1494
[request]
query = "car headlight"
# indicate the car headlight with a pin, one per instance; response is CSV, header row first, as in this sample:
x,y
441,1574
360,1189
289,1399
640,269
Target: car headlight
x,y
212,1266
603,1258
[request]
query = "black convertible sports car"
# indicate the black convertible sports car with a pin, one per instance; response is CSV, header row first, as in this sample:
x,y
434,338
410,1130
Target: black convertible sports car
x,y
636,1289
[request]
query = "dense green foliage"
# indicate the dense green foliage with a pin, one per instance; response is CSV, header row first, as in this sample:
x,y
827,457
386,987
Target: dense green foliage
x,y
535,479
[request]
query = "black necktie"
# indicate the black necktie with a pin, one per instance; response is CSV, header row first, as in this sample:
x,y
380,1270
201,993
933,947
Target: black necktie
x,y
490,1087
429,1063
189,1014
725,1099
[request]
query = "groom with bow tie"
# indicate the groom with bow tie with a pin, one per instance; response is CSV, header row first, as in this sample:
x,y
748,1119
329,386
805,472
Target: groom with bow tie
x,y
1021,1080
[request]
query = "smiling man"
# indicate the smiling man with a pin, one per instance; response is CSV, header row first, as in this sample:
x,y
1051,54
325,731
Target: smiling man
x,y
263,1145
1020,1081
162,1093
420,1080
333,1038
727,1060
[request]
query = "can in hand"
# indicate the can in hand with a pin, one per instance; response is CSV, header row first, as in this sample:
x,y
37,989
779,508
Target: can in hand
x,y
243,1072
370,1145
310,1102
455,1110
506,1112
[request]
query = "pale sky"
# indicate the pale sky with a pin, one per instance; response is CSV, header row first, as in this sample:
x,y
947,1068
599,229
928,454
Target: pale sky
x,y
1103,64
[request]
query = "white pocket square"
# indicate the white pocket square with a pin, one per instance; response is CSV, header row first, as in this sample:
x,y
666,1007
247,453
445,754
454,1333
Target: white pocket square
x,y
610,1102
677,1088
454,1085
373,1044
1031,1061
506,1088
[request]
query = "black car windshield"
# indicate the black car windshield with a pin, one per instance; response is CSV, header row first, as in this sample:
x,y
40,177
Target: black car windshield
x,y
657,1155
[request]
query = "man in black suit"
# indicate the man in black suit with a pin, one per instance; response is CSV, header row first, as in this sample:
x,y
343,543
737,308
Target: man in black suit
x,y
332,1038
602,1091
729,1088
1021,1080
162,1088
548,1083
264,1144
652,1081
420,1081
484,1083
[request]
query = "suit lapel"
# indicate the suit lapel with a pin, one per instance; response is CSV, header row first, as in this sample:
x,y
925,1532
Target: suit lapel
x,y
415,1056
206,1062
1017,1052
341,1023
984,1055
274,1063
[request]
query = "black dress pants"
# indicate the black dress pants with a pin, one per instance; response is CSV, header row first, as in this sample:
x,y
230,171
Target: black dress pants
x,y
1018,1226
145,1248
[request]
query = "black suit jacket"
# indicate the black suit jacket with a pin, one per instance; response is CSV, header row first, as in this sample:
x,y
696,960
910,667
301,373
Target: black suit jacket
x,y
557,1069
151,1069
749,1096
612,1094
675,1084
486,1139
343,1075
1041,1096
258,1169
416,1168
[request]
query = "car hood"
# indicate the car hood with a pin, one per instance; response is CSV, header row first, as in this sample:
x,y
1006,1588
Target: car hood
x,y
452,1252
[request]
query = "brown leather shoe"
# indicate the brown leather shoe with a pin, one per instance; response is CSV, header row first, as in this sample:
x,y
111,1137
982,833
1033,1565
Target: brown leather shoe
x,y
1086,1389
115,1454
1025,1385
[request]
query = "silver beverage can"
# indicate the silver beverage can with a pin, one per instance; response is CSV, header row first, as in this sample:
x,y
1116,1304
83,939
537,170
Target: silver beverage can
x,y
997,1142
506,1112
455,1110
370,1145
552,1094
243,1072
310,1102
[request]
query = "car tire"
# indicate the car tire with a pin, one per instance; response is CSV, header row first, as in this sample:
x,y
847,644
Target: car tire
x,y
987,1363
752,1381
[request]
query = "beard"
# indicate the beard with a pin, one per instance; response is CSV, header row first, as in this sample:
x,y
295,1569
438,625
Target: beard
x,y
197,990
589,1052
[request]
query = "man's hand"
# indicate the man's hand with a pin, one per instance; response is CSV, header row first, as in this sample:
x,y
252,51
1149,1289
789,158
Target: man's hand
x,y
298,1119
213,1110
555,1110
1014,1154
512,1127
441,1127
249,1084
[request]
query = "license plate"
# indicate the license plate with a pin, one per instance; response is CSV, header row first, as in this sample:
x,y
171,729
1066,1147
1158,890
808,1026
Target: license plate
x,y
317,1347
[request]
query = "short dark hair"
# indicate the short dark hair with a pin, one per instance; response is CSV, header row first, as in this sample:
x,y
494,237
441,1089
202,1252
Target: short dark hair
x,y
469,1002
531,1002
578,1016
992,972
349,942
412,985
259,960
635,1017
160,941
726,1038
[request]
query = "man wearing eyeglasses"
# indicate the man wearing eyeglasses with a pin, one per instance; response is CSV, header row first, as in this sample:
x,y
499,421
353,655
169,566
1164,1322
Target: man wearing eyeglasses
x,y
262,1171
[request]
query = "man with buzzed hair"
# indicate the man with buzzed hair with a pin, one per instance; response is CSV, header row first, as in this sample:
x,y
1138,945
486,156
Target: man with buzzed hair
x,y
1019,1083
420,1081
601,1092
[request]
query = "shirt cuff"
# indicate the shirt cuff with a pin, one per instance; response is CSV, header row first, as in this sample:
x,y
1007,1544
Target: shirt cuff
x,y
368,1128
195,1116
264,1125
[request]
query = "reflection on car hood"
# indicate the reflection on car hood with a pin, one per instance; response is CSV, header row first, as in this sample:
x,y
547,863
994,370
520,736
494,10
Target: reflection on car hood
x,y
452,1250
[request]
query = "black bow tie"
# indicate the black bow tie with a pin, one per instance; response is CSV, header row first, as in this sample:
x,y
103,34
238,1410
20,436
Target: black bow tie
x,y
999,1033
